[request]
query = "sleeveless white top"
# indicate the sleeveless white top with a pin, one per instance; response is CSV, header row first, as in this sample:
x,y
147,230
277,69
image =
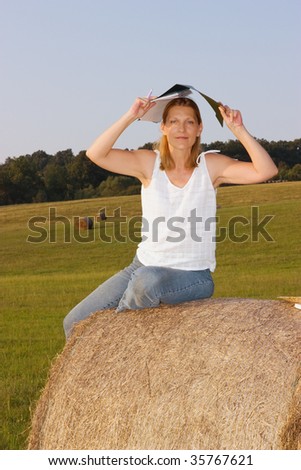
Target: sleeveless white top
x,y
178,224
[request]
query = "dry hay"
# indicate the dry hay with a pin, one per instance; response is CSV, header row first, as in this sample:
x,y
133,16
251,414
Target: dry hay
x,y
212,374
296,300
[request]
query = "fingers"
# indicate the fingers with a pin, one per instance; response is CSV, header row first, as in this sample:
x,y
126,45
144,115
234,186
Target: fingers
x,y
225,109
141,106
147,100
146,103
232,117
222,110
228,113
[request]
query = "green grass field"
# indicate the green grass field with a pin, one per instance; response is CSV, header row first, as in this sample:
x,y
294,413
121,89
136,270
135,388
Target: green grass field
x,y
42,280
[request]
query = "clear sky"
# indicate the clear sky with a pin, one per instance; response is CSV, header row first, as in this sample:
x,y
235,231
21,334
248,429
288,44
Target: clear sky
x,y
70,68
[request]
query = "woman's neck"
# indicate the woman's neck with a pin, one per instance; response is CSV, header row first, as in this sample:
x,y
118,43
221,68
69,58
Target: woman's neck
x,y
180,158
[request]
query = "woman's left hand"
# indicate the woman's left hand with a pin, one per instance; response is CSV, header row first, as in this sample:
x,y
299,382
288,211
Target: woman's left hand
x,y
232,117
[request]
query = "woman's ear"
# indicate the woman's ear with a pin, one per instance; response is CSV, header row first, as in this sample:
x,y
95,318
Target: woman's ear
x,y
200,129
162,127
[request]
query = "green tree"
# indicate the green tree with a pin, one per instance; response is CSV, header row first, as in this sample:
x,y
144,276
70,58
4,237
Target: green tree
x,y
6,186
119,186
55,182
24,179
294,174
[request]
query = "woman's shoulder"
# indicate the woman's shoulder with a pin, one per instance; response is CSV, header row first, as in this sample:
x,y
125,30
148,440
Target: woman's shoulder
x,y
210,157
212,153
145,153
213,161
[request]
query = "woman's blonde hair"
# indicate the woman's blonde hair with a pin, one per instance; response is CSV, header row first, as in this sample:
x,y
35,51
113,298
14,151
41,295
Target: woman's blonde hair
x,y
167,162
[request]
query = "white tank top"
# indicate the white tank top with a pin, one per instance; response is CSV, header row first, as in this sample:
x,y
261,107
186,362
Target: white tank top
x,y
178,224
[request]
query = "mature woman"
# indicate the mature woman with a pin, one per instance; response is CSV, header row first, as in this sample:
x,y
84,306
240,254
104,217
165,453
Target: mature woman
x,y
176,256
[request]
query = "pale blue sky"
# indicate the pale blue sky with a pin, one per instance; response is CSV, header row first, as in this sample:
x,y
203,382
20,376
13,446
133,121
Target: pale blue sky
x,y
70,68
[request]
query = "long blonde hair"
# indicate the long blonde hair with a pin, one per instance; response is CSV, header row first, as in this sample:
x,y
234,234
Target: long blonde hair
x,y
167,162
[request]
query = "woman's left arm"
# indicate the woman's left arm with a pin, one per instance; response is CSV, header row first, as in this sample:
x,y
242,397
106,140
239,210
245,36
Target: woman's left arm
x,y
228,170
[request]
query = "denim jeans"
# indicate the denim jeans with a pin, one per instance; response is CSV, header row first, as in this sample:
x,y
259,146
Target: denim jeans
x,y
138,286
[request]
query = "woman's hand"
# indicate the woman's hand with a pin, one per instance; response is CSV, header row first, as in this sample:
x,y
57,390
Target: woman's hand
x,y
140,107
232,117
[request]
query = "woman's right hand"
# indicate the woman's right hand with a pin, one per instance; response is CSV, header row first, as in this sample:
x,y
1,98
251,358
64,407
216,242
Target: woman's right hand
x,y
140,107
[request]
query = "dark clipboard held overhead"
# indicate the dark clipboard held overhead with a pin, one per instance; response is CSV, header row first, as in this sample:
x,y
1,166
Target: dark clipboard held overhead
x,y
178,91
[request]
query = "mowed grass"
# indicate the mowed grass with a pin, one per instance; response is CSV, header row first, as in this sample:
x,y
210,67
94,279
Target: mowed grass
x,y
43,279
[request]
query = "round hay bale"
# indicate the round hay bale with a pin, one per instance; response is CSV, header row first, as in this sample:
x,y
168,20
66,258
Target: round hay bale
x,y
211,374
102,215
85,223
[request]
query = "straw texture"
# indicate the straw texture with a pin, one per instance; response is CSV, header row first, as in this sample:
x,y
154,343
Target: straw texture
x,y
296,300
211,374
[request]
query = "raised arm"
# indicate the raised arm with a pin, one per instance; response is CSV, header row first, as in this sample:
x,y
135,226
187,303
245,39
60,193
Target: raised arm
x,y
127,162
227,170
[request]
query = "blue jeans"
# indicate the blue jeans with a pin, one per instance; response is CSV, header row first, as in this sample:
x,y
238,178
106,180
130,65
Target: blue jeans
x,y
138,286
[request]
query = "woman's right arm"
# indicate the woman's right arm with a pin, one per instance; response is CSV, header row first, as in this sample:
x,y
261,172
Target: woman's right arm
x,y
136,163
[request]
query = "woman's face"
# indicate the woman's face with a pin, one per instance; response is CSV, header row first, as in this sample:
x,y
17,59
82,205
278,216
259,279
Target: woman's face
x,y
181,127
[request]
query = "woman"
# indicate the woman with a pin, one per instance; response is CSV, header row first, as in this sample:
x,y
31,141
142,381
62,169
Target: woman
x,y
173,263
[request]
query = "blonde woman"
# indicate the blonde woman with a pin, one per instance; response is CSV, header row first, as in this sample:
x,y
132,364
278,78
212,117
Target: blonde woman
x,y
176,256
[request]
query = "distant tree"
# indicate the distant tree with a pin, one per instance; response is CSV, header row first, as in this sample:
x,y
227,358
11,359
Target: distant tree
x,y
63,157
41,196
24,179
41,159
119,186
82,172
284,151
6,186
55,182
88,192
148,146
294,174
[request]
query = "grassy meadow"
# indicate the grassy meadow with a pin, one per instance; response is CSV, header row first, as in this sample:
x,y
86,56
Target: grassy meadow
x,y
46,268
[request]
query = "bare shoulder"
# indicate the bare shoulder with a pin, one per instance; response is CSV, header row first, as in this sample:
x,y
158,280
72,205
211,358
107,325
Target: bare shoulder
x,y
214,163
217,163
218,159
144,153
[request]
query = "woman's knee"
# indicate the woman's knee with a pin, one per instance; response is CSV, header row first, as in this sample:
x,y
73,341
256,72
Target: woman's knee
x,y
68,323
77,314
147,279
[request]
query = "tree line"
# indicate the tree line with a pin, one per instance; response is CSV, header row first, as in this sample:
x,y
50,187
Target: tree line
x,y
41,177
